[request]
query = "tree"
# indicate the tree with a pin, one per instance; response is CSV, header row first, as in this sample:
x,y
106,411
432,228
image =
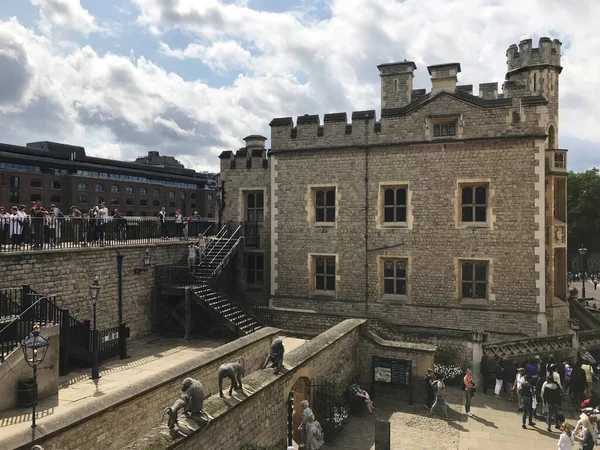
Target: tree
x,y
583,214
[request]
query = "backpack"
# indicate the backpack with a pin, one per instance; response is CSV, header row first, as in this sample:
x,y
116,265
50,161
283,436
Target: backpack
x,y
318,431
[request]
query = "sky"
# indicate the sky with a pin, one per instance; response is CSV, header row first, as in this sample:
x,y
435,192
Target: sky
x,y
191,78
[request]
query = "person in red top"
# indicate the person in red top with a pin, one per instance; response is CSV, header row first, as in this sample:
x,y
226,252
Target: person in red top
x,y
469,385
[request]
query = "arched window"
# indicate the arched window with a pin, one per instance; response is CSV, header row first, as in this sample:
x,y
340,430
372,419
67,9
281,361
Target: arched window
x,y
156,192
171,194
99,188
209,197
129,190
82,187
36,183
394,205
551,137
474,204
143,191
55,185
114,188
183,195
155,203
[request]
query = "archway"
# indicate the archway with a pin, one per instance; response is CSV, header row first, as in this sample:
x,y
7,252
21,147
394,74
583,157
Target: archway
x,y
551,138
300,392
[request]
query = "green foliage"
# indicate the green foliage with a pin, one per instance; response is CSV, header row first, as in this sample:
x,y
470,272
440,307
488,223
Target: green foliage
x,y
446,355
583,215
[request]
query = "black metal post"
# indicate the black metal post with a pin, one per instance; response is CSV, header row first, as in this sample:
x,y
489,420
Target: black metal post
x,y
34,395
95,371
64,343
122,331
290,428
582,279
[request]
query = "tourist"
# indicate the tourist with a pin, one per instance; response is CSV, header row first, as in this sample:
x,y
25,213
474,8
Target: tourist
x,y
589,435
589,376
179,224
102,217
37,220
499,374
516,388
440,402
201,243
531,369
578,383
567,438
306,413
195,223
4,225
50,222
76,223
595,282
510,374
358,393
428,384
553,372
162,220
313,439
469,388
15,229
120,223
551,394
192,249
527,392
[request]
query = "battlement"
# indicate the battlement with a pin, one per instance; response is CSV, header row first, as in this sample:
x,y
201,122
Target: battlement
x,y
547,53
253,156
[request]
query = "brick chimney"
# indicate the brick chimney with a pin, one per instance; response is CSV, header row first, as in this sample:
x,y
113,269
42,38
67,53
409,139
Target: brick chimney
x,y
396,83
444,77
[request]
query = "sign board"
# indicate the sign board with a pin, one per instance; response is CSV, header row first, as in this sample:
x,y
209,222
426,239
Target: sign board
x,y
392,371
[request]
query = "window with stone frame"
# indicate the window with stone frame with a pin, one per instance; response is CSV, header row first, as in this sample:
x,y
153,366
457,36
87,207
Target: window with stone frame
x,y
444,129
35,197
114,189
395,273
324,273
255,207
324,201
55,185
82,187
82,199
395,204
129,190
36,183
143,202
14,196
99,188
171,204
156,192
255,268
474,280
474,203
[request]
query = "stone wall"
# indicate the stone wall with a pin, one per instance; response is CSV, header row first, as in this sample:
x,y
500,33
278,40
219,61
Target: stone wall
x,y
117,419
15,369
67,274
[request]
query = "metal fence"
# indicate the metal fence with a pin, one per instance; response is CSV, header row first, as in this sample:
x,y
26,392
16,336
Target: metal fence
x,y
43,233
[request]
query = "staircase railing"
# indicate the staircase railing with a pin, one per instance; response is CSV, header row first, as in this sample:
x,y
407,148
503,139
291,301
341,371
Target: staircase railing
x,y
10,303
529,346
260,313
221,248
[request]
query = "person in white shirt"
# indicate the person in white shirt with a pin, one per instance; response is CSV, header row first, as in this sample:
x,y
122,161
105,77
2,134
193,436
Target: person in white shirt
x,y
567,438
16,227
192,249
201,248
4,224
102,218
179,223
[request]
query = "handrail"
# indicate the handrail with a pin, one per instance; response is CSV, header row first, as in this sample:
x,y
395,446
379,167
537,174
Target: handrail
x,y
23,313
211,244
226,242
225,259
254,310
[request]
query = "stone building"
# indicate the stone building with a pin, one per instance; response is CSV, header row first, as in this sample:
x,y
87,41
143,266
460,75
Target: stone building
x,y
448,211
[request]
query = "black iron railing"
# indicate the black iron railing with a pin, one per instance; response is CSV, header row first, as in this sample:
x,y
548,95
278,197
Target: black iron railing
x,y
250,231
10,303
50,232
166,275
259,311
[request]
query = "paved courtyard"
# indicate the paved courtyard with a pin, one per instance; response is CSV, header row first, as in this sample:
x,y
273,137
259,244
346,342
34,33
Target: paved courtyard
x,y
494,426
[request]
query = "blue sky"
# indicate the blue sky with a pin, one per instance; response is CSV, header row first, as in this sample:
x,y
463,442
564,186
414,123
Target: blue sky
x,y
192,78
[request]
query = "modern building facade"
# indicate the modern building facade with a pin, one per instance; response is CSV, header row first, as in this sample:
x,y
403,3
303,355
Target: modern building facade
x,y
448,211
64,175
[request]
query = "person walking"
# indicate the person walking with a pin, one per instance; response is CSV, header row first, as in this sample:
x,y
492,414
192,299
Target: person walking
x,y
162,220
440,402
306,414
527,392
428,384
551,393
589,377
469,390
567,438
588,437
499,374
517,385
179,223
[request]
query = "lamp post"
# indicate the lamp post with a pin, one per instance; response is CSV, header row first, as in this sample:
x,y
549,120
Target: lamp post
x,y
34,350
582,252
94,294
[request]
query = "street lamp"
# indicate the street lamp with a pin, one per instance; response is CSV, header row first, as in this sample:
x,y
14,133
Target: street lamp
x,y
146,261
94,295
582,252
34,350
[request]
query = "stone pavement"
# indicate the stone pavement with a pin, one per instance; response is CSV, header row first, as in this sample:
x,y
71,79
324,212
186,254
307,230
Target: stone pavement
x,y
495,426
147,356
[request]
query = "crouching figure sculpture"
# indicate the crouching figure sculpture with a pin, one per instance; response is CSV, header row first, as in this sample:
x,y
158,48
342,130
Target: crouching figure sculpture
x,y
233,371
275,356
191,401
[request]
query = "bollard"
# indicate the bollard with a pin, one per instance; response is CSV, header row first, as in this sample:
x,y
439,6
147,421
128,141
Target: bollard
x,y
382,435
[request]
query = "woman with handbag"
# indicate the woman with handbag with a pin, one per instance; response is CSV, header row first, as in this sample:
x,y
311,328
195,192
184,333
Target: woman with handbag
x,y
469,388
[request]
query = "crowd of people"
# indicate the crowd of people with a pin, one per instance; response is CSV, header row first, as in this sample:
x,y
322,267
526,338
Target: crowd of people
x,y
41,228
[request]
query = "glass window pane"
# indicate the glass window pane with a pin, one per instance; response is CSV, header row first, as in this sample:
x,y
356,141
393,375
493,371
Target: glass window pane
x,y
250,262
260,277
251,213
320,265
467,290
401,287
330,215
330,197
480,290
467,195
250,279
250,201
320,282
330,266
451,129
480,272
401,197
259,200
330,283
388,214
260,216
480,214
260,262
436,129
444,129
480,195
320,198
388,269
320,214
467,214
467,272
401,214
400,269
388,286
388,197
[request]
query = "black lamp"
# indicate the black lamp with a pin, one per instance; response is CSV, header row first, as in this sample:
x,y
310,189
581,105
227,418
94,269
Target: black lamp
x,y
34,350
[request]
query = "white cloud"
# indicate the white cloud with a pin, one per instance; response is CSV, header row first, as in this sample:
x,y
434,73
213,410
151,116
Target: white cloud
x,y
219,56
65,14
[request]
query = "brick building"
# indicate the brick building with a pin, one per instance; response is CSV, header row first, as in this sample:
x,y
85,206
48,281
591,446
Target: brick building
x,y
447,212
65,175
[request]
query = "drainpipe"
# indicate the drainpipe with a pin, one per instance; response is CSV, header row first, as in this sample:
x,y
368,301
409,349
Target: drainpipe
x,y
367,217
123,331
